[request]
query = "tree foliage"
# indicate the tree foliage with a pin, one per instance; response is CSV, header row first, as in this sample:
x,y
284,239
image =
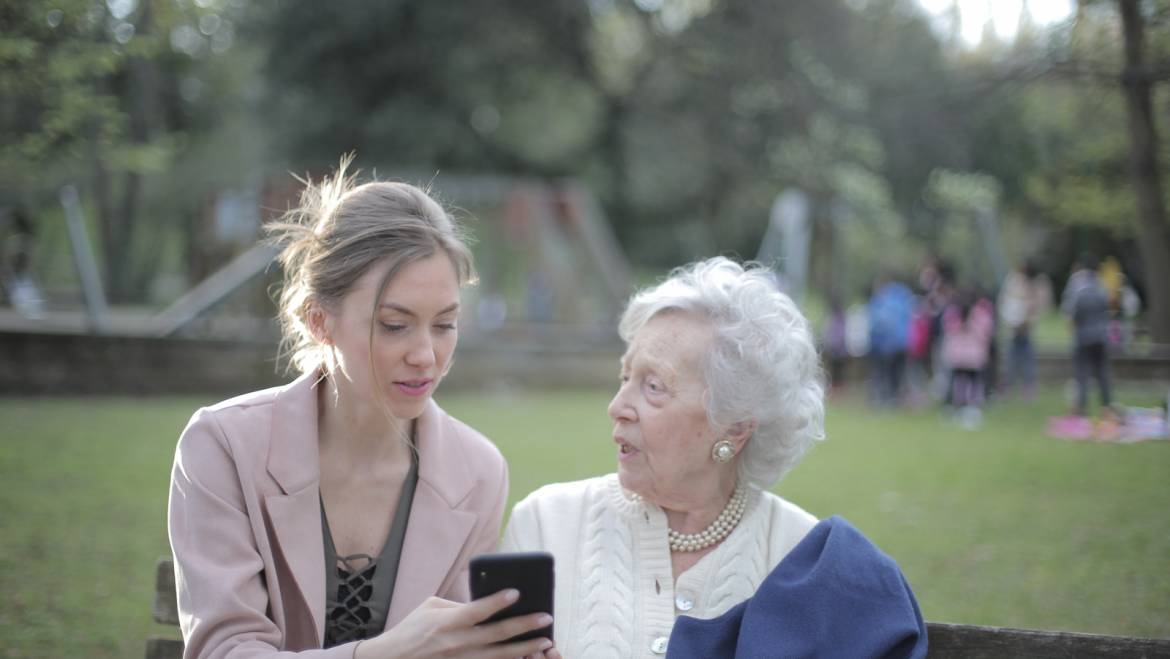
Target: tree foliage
x,y
98,94
688,117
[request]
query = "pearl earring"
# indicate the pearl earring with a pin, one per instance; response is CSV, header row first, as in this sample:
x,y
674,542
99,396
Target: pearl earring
x,y
722,451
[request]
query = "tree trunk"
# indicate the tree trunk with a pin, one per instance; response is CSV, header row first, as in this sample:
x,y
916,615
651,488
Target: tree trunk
x,y
111,254
126,273
1153,232
612,146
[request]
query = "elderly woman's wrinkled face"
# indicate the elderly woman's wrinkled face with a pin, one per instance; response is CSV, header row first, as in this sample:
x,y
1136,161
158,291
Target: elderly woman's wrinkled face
x,y
660,419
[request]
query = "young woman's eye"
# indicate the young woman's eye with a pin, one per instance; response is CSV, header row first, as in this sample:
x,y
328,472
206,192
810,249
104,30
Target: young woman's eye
x,y
446,327
393,327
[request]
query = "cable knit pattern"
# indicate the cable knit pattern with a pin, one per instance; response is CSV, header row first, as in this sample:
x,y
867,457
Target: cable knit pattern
x,y
738,574
615,595
605,579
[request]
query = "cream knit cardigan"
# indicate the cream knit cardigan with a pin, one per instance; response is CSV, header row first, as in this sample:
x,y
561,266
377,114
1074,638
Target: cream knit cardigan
x,y
615,597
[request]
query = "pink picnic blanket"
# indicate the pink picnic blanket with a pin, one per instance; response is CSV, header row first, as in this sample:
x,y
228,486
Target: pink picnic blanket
x,y
1137,425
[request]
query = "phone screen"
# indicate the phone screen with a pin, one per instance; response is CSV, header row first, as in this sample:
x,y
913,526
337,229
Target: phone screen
x,y
531,573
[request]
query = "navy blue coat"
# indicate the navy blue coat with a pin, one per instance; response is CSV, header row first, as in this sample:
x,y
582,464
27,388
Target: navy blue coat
x,y
834,595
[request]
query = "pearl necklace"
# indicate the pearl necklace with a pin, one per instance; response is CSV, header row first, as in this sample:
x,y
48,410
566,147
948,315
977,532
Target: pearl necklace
x,y
723,525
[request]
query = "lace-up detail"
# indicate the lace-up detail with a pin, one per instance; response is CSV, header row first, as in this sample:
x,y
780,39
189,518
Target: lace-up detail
x,y
358,587
349,614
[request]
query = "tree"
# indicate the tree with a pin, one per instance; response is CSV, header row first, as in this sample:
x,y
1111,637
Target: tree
x,y
1137,80
687,118
426,86
1043,116
1107,170
93,95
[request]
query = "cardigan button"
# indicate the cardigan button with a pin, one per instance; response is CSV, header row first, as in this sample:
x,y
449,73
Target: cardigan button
x,y
684,602
658,645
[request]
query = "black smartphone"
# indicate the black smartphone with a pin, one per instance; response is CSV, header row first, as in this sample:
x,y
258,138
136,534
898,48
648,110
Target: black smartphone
x,y
531,573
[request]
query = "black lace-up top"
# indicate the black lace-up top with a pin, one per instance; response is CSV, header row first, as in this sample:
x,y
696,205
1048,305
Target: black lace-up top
x,y
358,587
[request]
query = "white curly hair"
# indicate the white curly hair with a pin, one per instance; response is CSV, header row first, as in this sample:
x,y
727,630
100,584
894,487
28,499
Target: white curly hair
x,y
762,367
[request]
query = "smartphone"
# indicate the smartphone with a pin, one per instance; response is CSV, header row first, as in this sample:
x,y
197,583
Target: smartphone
x,y
531,573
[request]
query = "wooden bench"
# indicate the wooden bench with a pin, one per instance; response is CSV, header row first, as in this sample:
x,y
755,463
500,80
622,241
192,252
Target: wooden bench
x,y
947,641
165,610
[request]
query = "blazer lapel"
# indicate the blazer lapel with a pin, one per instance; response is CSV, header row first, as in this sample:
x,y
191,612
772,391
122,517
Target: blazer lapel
x,y
436,531
295,516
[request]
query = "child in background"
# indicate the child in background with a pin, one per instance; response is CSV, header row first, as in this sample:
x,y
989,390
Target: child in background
x,y
967,327
918,354
1025,296
836,348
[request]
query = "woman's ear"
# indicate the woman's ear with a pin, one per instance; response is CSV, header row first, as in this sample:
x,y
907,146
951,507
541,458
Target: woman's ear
x,y
739,433
320,324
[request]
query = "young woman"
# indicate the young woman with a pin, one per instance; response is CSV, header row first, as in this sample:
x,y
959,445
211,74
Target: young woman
x,y
335,516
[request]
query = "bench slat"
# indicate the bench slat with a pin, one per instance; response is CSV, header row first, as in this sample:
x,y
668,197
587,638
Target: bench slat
x,y
163,648
166,602
948,641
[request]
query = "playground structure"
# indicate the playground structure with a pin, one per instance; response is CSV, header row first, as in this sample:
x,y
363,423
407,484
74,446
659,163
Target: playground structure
x,y
552,281
545,253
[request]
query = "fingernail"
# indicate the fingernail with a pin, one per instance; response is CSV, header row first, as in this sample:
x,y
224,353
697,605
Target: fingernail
x,y
545,644
544,620
511,595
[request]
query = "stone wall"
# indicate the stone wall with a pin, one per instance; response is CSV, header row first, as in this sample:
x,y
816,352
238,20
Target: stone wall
x,y
38,364
80,364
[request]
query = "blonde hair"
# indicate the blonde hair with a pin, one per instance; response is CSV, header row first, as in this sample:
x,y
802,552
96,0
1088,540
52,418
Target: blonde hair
x,y
338,232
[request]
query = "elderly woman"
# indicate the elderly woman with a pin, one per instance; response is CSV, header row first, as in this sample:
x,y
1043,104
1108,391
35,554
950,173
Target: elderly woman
x,y
721,394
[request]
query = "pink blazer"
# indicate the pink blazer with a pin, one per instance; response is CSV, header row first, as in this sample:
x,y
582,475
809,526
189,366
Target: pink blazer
x,y
245,523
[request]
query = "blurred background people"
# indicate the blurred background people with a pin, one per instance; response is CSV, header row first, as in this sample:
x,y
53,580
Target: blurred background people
x,y
1024,297
857,326
835,341
1086,303
938,292
1124,303
990,374
890,309
966,347
16,272
918,358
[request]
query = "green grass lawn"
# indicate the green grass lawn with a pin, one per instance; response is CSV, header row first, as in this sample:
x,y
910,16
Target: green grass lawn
x,y
1000,526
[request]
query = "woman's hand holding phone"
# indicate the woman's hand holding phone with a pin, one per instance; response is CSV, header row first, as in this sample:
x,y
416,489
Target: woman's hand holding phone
x,y
441,628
